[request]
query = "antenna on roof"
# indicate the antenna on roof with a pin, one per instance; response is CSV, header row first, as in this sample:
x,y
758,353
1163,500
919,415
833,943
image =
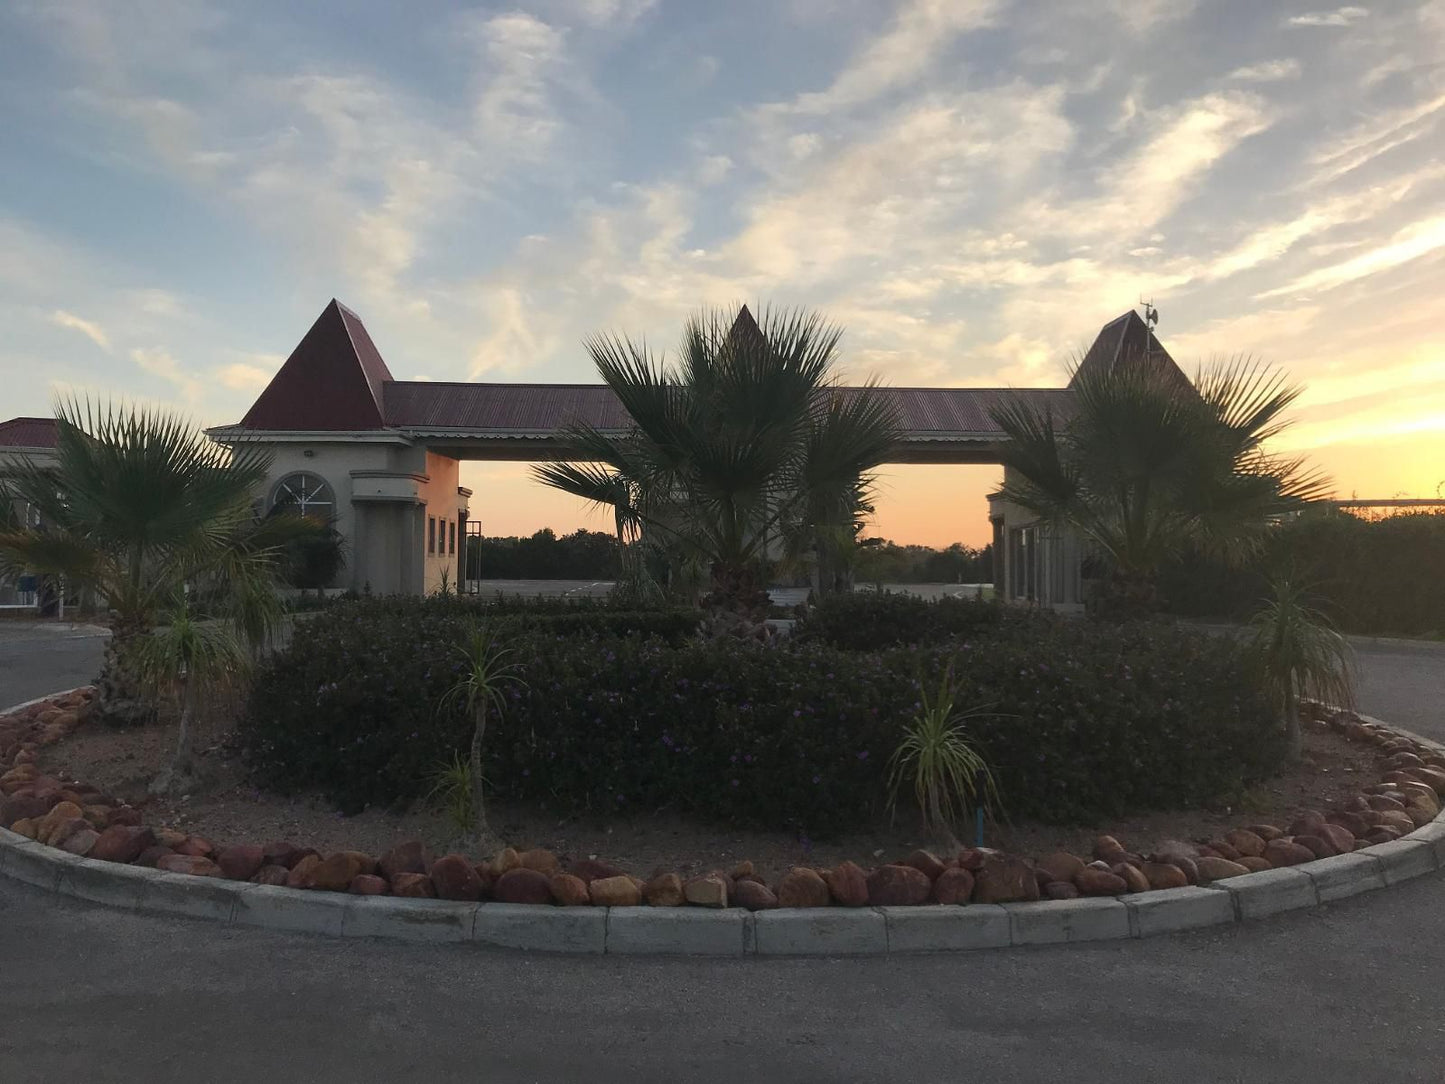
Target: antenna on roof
x,y
1151,314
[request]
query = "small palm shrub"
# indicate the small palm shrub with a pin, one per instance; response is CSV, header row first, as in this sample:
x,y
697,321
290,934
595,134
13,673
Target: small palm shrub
x,y
488,671
938,763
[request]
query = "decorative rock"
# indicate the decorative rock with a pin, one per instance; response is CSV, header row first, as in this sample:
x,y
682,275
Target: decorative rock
x,y
80,841
1245,842
1224,849
241,862
413,886
1434,778
590,869
23,807
543,861
1061,890
569,891
1381,802
506,859
847,884
1339,837
1320,846
517,885
151,855
1307,822
1213,869
1160,875
1401,821
194,864
122,843
1004,879
756,896
898,886
368,884
1253,863
1061,866
413,856
335,872
197,847
743,870
1132,876
1420,792
1265,832
300,875
664,890
707,891
804,888
953,886
1352,823
453,878
1381,835
614,892
64,830
925,862
58,814
973,858
1099,882
169,837
1105,847
271,875
1285,852
25,828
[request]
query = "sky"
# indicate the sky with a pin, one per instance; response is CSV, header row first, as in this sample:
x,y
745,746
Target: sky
x,y
970,188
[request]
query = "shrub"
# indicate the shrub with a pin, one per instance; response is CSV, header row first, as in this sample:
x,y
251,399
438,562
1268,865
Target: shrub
x,y
1083,721
868,620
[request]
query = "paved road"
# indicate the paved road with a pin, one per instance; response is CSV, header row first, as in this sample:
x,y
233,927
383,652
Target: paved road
x,y
1349,992
38,659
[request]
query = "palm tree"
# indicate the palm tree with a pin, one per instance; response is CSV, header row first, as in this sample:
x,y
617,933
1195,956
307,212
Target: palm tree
x,y
1148,464
137,504
187,660
1301,654
487,669
744,447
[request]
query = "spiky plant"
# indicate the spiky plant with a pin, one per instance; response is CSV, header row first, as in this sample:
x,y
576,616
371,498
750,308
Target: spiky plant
x,y
937,764
488,669
1301,654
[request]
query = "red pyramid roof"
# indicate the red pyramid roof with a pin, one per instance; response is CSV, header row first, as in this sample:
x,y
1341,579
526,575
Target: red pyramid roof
x,y
29,433
332,380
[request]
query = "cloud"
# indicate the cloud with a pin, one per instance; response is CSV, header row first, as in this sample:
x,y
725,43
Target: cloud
x,y
521,59
1411,243
238,376
1377,136
91,331
159,363
1268,71
1346,16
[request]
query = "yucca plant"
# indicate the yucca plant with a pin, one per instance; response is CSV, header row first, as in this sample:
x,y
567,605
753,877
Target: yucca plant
x,y
188,661
453,793
487,670
1301,654
945,774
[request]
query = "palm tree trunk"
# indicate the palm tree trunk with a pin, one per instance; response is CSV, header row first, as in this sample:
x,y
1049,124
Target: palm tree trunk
x,y
1294,740
479,804
180,772
122,701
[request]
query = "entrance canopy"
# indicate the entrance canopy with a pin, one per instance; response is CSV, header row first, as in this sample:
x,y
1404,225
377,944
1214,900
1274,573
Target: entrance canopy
x,y
335,385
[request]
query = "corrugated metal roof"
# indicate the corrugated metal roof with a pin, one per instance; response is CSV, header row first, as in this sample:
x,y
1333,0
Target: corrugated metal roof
x,y
332,380
28,433
513,409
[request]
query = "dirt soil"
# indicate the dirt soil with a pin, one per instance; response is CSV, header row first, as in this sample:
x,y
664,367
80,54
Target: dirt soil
x,y
231,809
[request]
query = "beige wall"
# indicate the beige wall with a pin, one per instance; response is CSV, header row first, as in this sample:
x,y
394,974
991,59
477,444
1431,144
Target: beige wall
x,y
1056,581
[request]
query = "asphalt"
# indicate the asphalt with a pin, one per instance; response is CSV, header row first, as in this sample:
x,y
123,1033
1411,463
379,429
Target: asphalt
x,y
1346,992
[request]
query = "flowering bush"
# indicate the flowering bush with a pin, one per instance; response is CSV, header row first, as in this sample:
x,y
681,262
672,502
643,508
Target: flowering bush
x,y
1079,720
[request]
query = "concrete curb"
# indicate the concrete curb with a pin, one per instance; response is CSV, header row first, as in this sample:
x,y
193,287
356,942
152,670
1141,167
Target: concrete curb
x,y
830,931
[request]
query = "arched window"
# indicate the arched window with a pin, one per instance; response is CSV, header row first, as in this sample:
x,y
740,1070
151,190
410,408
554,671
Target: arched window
x,y
306,493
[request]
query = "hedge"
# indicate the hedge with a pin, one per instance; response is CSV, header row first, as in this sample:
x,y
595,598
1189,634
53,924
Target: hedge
x,y
1082,721
869,620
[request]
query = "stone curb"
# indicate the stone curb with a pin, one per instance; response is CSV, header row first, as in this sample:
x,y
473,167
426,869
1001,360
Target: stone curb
x,y
830,931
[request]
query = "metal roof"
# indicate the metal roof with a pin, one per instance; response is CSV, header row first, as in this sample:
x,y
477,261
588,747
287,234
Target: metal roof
x,y
29,433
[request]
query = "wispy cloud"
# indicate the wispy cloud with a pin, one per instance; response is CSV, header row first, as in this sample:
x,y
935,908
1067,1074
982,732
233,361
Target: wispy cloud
x,y
1411,243
1268,71
1345,16
89,329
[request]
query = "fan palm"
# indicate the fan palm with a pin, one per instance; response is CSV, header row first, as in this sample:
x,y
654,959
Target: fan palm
x,y
136,504
1301,654
1148,464
743,447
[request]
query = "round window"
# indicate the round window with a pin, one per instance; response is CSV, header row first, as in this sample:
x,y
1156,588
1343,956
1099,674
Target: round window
x,y
305,493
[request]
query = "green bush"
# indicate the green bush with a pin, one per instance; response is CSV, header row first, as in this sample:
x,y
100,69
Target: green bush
x,y
869,620
1082,721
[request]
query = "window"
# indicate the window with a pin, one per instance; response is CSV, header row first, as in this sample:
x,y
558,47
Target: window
x,y
431,534
306,493
451,538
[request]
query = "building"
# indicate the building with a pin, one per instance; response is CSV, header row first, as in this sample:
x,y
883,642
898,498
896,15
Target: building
x,y
380,457
28,440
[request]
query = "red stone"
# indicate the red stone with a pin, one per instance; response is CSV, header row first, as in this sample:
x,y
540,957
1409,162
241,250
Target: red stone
x,y
1004,879
454,879
803,888
151,855
122,843
847,885
413,856
1285,852
925,862
953,886
413,886
368,884
194,864
300,874
1099,882
516,885
241,861
271,875
570,891
898,886
590,869
196,846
